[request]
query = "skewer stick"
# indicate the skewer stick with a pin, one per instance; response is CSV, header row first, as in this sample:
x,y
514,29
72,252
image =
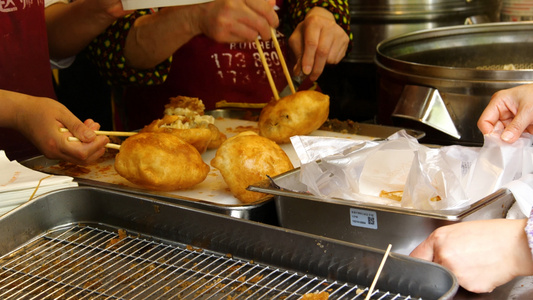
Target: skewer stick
x,y
108,145
369,294
101,132
282,60
267,69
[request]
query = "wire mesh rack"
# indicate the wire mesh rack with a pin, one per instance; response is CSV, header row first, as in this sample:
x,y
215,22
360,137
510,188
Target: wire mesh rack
x,y
86,262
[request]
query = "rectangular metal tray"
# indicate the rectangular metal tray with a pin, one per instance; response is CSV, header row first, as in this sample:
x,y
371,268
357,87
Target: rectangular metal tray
x,y
66,244
212,194
370,224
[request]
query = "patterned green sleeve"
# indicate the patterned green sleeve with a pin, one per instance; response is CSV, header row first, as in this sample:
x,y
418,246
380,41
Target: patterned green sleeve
x,y
107,52
297,9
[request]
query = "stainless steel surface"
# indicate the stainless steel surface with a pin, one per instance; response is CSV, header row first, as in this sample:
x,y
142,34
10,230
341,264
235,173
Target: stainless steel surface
x,y
262,211
370,224
66,244
447,60
425,105
375,21
212,194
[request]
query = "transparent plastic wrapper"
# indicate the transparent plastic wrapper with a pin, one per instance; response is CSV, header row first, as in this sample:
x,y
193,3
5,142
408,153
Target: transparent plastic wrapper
x,y
401,172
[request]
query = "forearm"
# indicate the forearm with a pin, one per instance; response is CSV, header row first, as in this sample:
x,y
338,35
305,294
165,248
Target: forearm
x,y
153,38
71,27
12,104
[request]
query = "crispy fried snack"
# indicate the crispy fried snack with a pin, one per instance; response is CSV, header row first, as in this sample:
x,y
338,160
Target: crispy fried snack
x,y
199,137
246,159
160,161
296,114
184,113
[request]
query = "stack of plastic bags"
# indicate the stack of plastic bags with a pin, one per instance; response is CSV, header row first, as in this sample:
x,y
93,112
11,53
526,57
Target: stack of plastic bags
x,y
451,177
19,184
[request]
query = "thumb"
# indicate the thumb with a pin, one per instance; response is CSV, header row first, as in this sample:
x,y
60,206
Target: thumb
x,y
514,129
424,250
80,130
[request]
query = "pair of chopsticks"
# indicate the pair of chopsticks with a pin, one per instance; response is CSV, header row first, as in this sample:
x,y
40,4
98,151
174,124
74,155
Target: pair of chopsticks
x,y
281,59
100,132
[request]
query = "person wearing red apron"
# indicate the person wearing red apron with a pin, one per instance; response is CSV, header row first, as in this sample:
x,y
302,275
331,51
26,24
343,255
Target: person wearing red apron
x,y
24,64
202,67
28,111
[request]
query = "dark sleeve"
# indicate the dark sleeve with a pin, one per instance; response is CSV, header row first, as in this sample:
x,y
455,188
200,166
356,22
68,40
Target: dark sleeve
x,y
297,9
107,52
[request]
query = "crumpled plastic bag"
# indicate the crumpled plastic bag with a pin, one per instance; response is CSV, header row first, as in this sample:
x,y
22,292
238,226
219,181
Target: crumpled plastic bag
x,y
427,178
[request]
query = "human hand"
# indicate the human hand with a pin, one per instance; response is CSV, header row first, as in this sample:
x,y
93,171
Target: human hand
x,y
510,110
112,8
317,40
42,125
229,21
482,254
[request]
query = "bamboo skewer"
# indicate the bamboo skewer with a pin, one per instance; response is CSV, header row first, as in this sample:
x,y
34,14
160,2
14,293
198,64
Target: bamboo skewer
x,y
111,133
282,60
108,145
369,294
267,70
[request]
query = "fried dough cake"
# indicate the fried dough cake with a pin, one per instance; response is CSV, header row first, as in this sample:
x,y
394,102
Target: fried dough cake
x,y
298,114
246,159
160,161
198,137
185,118
194,110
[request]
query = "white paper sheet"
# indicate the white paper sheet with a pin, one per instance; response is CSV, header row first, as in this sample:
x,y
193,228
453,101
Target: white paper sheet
x,y
143,4
18,183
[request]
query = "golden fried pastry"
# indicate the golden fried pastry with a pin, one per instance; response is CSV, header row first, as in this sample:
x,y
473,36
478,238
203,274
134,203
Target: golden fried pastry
x,y
188,113
160,161
246,159
199,137
217,137
297,114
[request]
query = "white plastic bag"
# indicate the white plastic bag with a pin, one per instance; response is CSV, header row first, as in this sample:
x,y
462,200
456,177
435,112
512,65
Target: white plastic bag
x,y
450,177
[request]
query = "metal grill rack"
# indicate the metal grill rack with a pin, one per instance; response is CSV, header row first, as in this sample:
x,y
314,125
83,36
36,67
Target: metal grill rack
x,y
84,262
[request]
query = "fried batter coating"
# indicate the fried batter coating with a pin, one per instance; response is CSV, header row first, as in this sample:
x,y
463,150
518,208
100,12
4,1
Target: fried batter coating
x,y
246,159
297,114
184,113
199,137
160,161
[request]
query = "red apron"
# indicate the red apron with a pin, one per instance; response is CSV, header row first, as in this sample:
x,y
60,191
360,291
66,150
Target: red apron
x,y
24,63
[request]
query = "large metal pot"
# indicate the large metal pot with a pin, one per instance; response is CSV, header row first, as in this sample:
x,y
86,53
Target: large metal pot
x,y
352,83
440,80
377,20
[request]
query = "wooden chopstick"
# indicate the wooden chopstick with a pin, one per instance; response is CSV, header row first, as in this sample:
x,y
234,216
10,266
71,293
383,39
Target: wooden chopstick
x,y
101,132
267,69
108,145
282,60
369,294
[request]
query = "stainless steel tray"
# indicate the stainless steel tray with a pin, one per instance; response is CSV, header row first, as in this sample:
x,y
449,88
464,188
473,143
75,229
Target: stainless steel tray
x,y
66,244
369,224
261,211
212,194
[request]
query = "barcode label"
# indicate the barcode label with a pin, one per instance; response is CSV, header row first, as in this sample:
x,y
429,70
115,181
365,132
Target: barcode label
x,y
363,218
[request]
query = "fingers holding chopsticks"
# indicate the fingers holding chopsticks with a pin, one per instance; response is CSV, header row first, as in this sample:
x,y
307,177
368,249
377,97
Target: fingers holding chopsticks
x,y
89,147
100,133
109,133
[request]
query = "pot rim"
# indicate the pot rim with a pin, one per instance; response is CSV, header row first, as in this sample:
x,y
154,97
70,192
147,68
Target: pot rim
x,y
388,50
